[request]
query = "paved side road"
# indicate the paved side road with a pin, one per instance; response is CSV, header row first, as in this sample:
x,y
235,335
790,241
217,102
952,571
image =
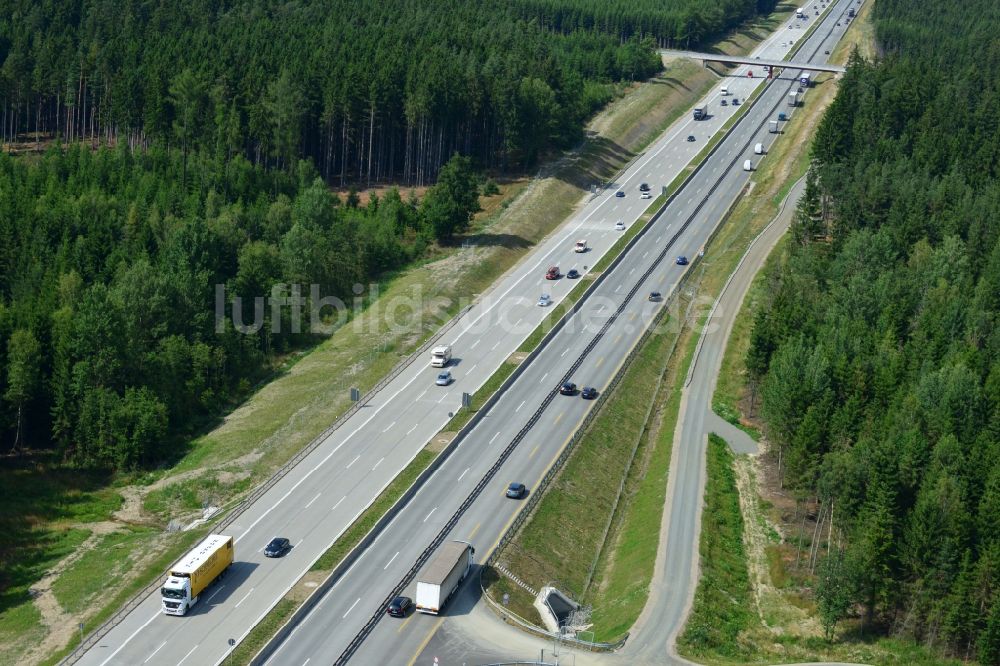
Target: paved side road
x,y
472,633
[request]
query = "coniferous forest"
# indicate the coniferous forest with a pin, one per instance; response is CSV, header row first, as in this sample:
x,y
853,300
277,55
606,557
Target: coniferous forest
x,y
370,91
878,356
192,144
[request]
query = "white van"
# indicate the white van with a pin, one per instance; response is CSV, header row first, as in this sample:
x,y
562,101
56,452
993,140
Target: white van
x,y
581,246
441,356
759,149
748,165
725,90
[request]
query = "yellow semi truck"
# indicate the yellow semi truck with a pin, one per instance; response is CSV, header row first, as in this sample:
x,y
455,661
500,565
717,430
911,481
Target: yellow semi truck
x,y
196,571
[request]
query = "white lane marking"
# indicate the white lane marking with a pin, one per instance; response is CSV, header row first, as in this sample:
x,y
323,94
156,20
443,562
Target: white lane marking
x,y
244,598
430,514
520,406
219,589
378,463
313,500
473,345
338,503
389,427
542,380
411,430
645,253
353,461
496,345
424,392
441,399
187,655
298,543
466,470
390,561
306,661
126,641
618,289
491,441
658,239
155,651
351,608
564,352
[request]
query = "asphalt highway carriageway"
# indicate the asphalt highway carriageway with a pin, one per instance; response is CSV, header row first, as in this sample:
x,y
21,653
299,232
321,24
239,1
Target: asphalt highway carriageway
x,y
317,500
587,352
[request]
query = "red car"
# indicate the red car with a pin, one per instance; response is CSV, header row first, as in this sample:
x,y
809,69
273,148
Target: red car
x,y
552,273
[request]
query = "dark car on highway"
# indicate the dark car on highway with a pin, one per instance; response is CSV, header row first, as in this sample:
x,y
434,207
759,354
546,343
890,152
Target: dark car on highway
x,y
278,547
399,606
588,393
619,194
682,261
516,490
655,296
644,187
572,274
569,388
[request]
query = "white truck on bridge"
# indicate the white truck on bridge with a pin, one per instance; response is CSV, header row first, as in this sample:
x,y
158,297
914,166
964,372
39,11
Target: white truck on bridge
x,y
194,572
440,579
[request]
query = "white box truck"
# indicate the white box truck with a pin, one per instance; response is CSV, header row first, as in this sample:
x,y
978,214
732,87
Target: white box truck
x,y
441,356
793,98
725,90
701,112
748,165
440,579
194,572
758,149
774,127
581,246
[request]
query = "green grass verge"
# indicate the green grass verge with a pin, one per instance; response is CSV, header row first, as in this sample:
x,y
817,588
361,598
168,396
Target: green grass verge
x,y
262,632
562,539
113,556
621,587
722,603
178,544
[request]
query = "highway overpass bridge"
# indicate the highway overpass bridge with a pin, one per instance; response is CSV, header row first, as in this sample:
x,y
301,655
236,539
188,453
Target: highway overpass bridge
x,y
743,60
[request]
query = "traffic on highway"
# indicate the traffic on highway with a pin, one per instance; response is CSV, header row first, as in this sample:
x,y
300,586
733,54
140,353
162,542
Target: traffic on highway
x,y
466,499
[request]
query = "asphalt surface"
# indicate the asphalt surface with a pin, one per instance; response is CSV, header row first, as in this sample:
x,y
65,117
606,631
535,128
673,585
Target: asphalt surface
x,y
322,496
341,620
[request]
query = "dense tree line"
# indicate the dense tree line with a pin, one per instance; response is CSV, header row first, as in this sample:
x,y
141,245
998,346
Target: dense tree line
x,y
681,23
878,358
109,344
368,90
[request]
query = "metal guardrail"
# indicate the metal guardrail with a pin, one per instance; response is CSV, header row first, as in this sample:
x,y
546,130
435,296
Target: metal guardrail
x,y
97,634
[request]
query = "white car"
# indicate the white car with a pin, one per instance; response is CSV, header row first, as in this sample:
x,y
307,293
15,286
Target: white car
x,y
544,300
645,195
619,226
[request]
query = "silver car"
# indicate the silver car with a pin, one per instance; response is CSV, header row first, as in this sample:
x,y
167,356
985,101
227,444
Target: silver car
x,y
443,378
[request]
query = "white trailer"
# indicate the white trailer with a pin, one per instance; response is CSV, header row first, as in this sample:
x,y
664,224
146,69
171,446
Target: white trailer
x,y
774,127
793,98
440,579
